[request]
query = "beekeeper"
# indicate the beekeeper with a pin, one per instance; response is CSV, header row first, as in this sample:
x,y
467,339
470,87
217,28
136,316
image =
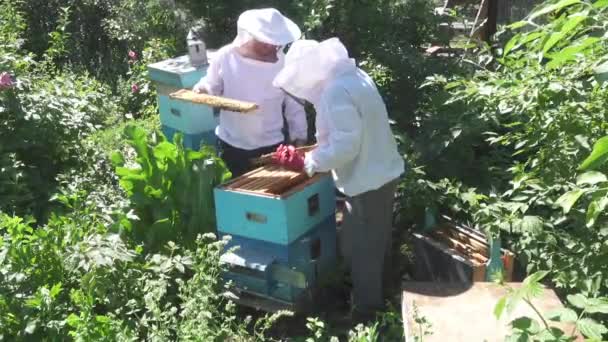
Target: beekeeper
x,y
244,70
356,144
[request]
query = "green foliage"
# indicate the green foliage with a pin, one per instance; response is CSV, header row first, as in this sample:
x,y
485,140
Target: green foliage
x,y
510,135
528,329
170,188
44,117
72,279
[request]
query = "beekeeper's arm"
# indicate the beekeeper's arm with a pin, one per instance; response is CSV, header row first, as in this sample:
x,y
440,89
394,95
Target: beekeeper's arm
x,y
296,120
345,132
212,83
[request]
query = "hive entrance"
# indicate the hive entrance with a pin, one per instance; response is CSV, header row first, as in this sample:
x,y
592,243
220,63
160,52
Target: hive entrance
x,y
268,180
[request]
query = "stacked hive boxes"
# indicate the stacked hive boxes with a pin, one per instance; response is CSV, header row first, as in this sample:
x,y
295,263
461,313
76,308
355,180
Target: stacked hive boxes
x,y
284,226
197,122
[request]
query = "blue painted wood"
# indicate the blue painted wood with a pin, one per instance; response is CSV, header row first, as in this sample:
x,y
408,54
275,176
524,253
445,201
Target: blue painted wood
x,y
320,240
192,141
272,219
187,117
176,72
313,254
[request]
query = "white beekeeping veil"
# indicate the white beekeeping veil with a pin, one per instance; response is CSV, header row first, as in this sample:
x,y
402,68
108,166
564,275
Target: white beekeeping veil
x,y
266,25
309,64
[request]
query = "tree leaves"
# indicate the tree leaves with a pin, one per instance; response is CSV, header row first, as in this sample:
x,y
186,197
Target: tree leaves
x,y
553,8
598,155
562,315
591,328
591,178
577,300
567,200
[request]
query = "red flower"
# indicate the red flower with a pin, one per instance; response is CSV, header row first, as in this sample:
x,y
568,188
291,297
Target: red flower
x,y
132,55
134,88
6,81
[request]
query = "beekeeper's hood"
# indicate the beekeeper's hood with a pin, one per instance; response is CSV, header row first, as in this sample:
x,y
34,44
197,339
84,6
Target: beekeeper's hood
x,y
266,25
310,64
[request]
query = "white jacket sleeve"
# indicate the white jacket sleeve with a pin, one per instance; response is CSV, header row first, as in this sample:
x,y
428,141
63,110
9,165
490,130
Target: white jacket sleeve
x,y
296,119
345,133
212,82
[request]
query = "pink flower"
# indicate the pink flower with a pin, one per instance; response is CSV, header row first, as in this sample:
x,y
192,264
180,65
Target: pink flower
x,y
6,81
132,55
134,88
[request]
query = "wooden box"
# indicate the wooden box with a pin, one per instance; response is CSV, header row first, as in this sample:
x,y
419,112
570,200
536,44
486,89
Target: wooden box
x,y
452,253
190,118
176,72
274,205
282,272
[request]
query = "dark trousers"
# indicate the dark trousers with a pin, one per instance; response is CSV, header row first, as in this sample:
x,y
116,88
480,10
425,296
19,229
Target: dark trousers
x,y
366,242
238,160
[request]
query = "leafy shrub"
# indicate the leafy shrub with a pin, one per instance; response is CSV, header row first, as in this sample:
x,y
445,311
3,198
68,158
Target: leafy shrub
x,y
44,116
170,188
531,110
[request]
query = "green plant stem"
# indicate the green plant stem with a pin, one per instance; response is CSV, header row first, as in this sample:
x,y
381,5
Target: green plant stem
x,y
578,319
529,302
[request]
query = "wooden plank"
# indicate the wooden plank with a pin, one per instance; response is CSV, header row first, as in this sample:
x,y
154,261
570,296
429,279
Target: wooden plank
x,y
465,313
482,248
214,101
288,183
461,247
302,185
233,181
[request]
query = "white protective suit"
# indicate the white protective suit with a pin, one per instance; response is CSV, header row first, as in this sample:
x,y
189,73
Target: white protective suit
x,y
354,138
234,76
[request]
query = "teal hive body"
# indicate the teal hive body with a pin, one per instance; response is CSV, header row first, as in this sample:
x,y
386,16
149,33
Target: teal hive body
x,y
274,219
312,257
195,120
192,141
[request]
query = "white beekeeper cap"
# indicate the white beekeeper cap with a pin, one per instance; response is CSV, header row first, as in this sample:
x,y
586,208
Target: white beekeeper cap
x,y
266,25
309,64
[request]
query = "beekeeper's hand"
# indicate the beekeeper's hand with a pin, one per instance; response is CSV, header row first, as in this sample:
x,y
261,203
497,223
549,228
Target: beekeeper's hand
x,y
200,88
289,158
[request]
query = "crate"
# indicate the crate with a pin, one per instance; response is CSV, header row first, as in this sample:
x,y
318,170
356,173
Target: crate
x,y
453,253
174,74
192,141
282,272
274,205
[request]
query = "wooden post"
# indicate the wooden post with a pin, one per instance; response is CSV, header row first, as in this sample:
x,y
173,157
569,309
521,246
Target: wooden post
x,y
485,21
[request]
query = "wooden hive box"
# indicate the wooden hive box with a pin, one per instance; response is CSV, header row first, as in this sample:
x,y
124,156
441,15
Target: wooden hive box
x,y
196,121
282,272
274,205
452,253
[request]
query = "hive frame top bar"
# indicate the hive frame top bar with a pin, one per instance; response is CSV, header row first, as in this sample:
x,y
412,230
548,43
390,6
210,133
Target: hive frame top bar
x,y
302,178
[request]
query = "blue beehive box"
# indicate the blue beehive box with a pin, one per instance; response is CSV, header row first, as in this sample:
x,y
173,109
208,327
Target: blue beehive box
x,y
254,206
196,121
282,272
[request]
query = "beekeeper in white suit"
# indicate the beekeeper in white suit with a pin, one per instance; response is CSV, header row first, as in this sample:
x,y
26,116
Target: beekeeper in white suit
x,y
244,70
356,144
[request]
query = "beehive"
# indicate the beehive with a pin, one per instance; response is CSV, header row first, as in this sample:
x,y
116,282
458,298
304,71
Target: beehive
x,y
456,254
279,271
274,205
284,225
196,121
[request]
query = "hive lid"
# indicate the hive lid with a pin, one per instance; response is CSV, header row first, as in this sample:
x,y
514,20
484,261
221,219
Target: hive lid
x,y
179,65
